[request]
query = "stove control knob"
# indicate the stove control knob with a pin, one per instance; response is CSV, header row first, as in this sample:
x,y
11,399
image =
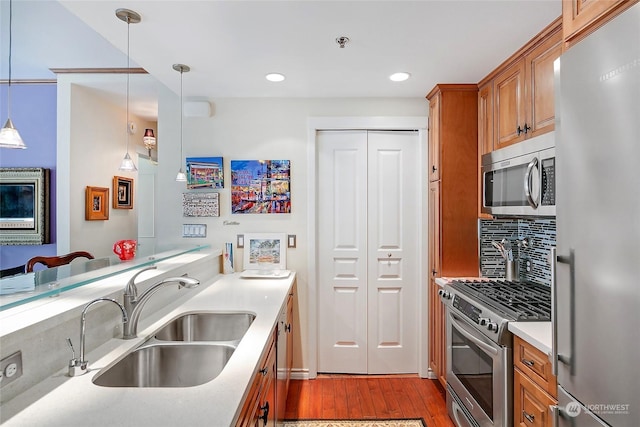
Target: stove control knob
x,y
483,321
492,326
445,294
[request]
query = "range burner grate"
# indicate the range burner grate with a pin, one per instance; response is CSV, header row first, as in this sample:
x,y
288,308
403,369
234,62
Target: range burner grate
x,y
522,302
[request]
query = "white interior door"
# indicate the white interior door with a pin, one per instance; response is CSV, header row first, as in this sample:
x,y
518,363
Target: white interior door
x,y
369,205
342,251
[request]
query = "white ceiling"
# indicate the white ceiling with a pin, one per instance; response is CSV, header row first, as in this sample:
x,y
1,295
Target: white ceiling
x,y
231,45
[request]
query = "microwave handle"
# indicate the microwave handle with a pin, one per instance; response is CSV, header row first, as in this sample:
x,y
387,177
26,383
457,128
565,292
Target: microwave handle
x,y
527,182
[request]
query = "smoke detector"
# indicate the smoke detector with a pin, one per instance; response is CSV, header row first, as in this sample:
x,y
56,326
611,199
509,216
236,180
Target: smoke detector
x,y
342,41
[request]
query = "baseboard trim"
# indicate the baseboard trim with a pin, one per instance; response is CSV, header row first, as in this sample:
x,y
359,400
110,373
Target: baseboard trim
x,y
299,374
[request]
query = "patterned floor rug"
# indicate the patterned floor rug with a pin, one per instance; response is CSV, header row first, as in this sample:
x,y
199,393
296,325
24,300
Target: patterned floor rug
x,y
355,423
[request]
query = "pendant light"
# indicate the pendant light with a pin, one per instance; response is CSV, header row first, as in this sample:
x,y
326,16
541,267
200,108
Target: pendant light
x,y
130,17
181,177
9,136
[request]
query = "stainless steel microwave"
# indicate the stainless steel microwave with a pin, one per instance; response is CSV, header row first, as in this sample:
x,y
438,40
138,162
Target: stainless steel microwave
x,y
520,180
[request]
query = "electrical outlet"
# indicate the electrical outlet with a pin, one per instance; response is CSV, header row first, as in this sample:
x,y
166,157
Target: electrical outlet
x,y
10,368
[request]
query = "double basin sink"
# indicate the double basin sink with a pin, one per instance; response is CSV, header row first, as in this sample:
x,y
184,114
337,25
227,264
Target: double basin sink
x,y
189,350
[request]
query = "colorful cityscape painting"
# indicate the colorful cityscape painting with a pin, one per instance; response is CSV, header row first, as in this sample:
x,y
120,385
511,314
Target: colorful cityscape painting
x,y
260,186
205,172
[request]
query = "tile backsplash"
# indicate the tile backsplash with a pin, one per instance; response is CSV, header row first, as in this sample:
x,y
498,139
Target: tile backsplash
x,y
532,260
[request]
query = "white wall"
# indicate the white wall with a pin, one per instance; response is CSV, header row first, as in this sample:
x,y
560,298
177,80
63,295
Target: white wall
x,y
91,144
255,128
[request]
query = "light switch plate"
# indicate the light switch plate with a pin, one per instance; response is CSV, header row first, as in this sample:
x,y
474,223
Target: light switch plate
x,y
194,230
240,242
291,240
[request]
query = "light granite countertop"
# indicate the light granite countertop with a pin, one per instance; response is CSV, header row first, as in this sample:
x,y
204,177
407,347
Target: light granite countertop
x,y
64,401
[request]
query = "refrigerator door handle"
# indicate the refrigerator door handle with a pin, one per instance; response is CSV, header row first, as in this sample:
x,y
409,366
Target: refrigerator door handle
x,y
554,415
568,359
553,357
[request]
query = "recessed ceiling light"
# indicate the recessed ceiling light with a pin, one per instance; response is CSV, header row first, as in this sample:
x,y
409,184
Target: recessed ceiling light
x,y
399,77
275,77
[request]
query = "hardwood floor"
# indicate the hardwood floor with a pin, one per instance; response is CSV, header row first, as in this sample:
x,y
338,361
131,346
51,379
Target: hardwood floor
x,y
368,397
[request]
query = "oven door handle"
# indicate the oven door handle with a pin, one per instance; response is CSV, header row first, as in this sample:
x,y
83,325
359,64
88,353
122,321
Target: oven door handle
x,y
460,327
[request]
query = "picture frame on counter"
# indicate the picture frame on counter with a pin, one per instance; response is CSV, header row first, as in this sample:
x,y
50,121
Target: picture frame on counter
x,y
122,192
265,251
96,203
24,206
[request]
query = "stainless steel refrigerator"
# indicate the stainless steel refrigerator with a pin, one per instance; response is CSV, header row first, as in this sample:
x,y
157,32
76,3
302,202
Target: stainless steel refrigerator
x,y
597,273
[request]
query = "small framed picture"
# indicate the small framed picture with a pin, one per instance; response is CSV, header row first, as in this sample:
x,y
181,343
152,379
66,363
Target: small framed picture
x,y
96,203
265,251
122,192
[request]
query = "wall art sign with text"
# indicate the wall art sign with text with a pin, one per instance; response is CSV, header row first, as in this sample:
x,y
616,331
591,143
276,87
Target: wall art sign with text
x,y
260,186
200,204
205,172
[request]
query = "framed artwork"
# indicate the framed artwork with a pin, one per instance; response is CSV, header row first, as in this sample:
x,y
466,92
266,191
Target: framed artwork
x,y
260,186
24,206
96,203
205,172
200,204
122,192
265,251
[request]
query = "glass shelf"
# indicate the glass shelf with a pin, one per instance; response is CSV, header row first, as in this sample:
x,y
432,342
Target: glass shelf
x,y
24,288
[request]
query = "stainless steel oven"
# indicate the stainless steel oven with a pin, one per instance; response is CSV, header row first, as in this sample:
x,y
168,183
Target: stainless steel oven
x,y
479,355
479,375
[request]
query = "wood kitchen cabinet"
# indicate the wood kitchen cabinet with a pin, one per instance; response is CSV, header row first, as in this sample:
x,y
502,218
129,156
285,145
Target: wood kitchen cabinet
x,y
581,17
453,175
259,409
534,386
485,134
523,99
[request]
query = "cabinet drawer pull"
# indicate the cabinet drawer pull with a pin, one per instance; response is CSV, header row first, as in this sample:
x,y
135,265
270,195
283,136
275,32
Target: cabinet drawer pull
x,y
529,363
529,417
265,413
264,371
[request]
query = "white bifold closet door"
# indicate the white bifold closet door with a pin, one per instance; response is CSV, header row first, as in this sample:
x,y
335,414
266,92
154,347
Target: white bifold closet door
x,y
368,217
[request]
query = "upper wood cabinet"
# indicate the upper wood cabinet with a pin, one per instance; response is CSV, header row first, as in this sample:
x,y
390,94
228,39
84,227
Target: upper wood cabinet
x,y
485,134
434,138
581,17
523,91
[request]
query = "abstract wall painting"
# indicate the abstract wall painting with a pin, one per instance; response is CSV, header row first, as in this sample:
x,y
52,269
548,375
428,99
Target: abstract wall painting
x,y
260,186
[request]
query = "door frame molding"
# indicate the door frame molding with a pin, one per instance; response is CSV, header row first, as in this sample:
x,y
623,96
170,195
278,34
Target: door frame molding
x,y
407,123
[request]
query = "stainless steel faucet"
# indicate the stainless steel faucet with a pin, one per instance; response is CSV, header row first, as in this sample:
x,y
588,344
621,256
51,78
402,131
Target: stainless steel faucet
x,y
79,366
131,290
134,304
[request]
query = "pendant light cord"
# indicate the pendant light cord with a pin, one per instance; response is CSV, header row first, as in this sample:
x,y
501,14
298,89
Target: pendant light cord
x,y
181,117
9,86
128,65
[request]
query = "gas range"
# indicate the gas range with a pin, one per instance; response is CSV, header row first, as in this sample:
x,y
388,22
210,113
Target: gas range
x,y
491,303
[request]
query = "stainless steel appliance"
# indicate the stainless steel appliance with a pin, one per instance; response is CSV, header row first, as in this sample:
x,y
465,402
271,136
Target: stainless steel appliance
x,y
479,346
598,223
519,180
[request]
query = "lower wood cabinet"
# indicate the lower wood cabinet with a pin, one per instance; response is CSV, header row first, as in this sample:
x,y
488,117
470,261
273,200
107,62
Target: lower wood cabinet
x,y
534,386
259,410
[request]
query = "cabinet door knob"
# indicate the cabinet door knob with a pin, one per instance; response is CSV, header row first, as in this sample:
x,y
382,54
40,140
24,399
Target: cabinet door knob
x,y
527,128
433,169
519,130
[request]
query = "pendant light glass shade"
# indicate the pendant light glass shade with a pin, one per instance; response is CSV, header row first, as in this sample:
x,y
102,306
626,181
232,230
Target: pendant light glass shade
x,y
181,176
130,17
9,136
